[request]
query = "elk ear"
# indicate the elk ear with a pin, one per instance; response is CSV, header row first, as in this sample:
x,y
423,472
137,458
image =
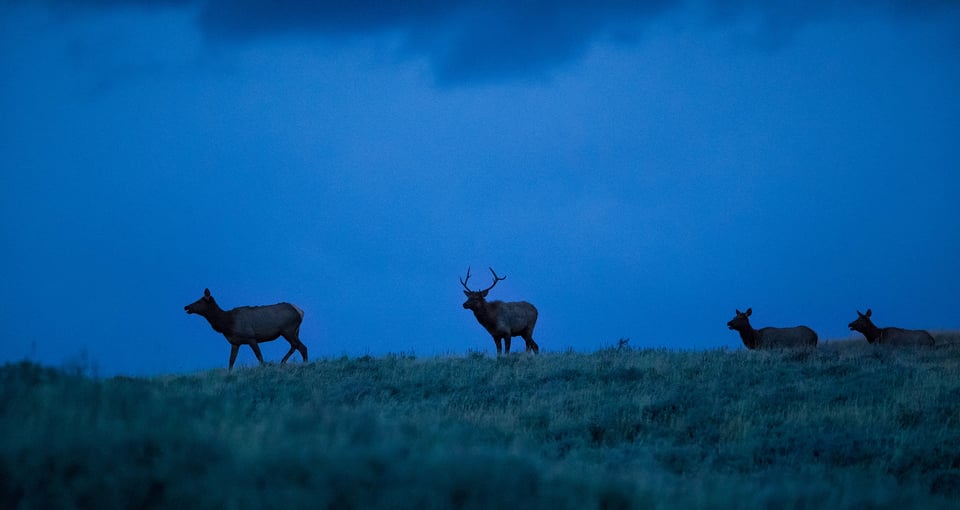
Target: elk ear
x,y
869,312
737,310
484,293
749,311
206,292
466,293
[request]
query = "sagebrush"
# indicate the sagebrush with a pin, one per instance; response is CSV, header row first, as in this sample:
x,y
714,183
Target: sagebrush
x,y
846,425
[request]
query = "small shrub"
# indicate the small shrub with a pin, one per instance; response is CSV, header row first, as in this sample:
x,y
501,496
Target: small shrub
x,y
844,426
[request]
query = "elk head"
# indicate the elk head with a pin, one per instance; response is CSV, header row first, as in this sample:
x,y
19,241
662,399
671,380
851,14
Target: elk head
x,y
740,322
476,298
863,322
202,305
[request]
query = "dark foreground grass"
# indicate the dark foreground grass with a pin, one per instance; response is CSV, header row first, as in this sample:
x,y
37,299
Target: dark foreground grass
x,y
845,426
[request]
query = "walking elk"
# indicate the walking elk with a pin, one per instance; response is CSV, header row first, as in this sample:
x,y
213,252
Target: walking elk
x,y
251,325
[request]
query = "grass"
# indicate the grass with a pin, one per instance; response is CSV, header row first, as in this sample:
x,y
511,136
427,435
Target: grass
x,y
846,426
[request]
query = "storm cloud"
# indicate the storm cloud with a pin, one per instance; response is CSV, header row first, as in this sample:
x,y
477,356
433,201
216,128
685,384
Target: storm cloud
x,y
473,40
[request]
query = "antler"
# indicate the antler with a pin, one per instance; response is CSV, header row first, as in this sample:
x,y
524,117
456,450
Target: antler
x,y
495,280
464,282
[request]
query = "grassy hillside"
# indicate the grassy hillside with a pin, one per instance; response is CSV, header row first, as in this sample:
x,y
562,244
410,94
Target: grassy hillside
x,y
845,426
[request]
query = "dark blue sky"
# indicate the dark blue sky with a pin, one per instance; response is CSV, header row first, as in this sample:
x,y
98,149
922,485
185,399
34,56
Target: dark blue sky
x,y
636,169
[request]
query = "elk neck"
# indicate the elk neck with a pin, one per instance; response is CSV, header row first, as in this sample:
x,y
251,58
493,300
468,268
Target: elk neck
x,y
871,332
220,320
750,336
486,313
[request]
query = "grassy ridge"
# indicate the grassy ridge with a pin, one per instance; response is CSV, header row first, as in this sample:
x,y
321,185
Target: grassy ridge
x,y
845,426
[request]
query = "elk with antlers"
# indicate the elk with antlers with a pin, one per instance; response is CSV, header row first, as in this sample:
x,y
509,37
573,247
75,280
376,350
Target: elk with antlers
x,y
502,320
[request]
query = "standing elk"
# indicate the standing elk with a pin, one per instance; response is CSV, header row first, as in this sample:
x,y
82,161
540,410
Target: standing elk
x,y
251,325
888,336
502,320
771,338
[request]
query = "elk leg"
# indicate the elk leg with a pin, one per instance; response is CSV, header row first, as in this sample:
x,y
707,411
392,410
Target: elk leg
x,y
290,339
291,351
295,345
234,349
496,340
256,351
506,343
531,345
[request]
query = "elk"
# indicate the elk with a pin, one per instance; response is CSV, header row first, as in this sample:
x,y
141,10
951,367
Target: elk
x,y
771,338
888,336
251,325
502,320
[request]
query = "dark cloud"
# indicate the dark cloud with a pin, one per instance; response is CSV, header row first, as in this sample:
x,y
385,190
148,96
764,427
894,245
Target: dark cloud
x,y
104,4
465,40
476,40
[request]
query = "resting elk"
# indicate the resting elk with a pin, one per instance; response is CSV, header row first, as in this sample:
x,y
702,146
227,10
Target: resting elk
x,y
251,325
888,336
771,338
502,320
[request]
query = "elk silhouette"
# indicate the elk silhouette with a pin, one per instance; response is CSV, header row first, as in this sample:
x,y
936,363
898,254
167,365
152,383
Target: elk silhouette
x,y
251,325
888,336
502,320
771,338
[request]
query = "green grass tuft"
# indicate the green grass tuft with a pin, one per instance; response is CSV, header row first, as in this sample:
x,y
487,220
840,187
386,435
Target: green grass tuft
x,y
845,426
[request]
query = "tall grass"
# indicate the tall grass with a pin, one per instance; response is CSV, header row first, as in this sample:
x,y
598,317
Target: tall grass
x,y
846,426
